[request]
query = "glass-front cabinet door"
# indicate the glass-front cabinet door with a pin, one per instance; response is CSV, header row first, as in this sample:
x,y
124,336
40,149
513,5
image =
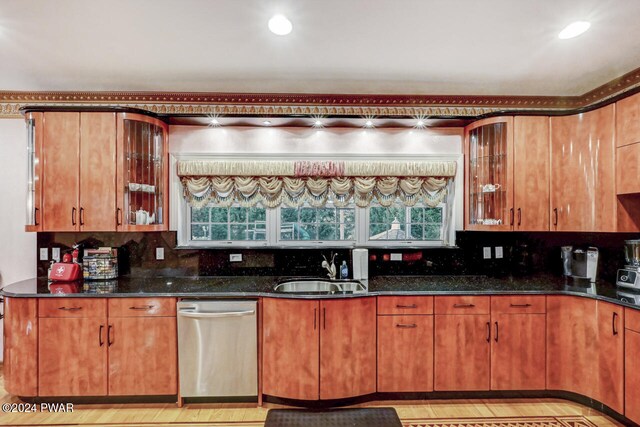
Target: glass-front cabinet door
x,y
142,174
34,125
489,178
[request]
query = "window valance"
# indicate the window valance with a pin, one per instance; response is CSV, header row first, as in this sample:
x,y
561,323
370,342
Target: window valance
x,y
295,183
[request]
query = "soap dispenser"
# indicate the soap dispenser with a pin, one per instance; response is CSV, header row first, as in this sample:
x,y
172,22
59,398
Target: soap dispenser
x,y
344,270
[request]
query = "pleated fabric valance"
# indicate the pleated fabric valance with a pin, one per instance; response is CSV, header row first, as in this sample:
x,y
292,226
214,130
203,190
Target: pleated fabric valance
x,y
295,183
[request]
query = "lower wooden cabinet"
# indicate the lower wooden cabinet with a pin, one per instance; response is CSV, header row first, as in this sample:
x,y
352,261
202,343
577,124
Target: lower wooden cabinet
x,y
405,353
632,376
319,349
610,362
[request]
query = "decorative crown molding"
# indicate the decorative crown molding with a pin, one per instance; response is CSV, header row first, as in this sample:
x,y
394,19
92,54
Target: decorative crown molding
x,y
286,104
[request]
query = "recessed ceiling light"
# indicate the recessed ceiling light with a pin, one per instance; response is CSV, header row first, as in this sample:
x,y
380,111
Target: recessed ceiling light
x,y
266,123
318,124
280,25
574,29
420,124
368,124
214,122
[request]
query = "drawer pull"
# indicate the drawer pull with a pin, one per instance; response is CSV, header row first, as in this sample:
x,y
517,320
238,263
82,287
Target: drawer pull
x,y
613,323
463,305
406,325
141,307
520,305
407,306
70,308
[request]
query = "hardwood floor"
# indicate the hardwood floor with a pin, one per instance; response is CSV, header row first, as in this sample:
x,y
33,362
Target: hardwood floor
x,y
248,415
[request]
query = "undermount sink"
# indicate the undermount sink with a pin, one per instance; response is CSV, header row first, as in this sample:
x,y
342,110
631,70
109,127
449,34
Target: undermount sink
x,y
320,286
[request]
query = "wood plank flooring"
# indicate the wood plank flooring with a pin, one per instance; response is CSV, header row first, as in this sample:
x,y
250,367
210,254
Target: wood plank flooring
x,y
480,412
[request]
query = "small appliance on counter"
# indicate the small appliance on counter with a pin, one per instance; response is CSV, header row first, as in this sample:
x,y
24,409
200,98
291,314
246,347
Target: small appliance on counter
x,y
580,264
100,264
629,276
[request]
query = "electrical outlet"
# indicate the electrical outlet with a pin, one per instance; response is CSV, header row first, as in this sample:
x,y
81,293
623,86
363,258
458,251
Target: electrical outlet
x,y
159,254
44,254
55,254
499,253
396,257
235,257
486,252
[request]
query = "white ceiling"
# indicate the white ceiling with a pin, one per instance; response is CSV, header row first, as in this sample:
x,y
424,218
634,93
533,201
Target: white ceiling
x,y
472,47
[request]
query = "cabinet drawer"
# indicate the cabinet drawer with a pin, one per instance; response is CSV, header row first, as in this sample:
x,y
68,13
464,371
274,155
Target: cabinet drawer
x,y
72,307
632,319
405,305
462,304
139,307
519,304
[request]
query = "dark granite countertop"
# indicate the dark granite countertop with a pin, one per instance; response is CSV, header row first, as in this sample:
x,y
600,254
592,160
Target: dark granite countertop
x,y
257,286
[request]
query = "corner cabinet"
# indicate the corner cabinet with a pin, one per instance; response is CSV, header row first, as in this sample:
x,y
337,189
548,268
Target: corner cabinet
x,y
96,171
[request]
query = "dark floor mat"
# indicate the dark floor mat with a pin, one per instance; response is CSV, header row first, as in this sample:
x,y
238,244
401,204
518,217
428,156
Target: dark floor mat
x,y
356,417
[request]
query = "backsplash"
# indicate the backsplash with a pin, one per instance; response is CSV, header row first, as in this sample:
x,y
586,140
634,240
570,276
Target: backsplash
x,y
523,254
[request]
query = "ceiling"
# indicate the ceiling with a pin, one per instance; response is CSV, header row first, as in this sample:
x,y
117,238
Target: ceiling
x,y
456,47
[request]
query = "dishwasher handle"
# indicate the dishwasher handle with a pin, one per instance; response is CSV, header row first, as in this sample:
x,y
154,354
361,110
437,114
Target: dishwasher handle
x,y
196,314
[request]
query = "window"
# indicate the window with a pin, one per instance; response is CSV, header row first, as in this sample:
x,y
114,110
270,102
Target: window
x,y
325,223
228,224
402,223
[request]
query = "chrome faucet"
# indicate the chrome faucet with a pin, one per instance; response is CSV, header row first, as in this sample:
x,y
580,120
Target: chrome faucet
x,y
331,268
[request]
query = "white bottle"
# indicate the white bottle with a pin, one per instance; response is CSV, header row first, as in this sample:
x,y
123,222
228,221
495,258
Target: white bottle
x,y
344,270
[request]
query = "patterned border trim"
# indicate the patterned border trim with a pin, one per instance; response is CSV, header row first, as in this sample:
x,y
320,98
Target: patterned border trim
x,y
266,104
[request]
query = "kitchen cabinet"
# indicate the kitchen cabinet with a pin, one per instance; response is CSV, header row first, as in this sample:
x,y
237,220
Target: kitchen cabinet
x,y
462,343
628,169
84,352
78,178
610,384
143,173
632,373
20,351
519,333
319,349
405,344
35,129
628,120
582,171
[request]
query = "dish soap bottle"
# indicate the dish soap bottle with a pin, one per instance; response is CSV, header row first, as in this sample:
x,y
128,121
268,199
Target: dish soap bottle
x,y
344,270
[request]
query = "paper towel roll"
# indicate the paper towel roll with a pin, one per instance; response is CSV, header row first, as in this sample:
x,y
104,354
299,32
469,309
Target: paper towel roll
x,y
360,264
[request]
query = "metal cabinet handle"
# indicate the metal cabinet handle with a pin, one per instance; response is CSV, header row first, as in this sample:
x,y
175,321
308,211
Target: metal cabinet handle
x,y
408,325
73,216
70,308
555,216
35,216
488,331
613,323
141,307
521,305
463,305
118,216
315,315
511,216
100,335
109,340
324,317
519,217
407,306
496,337
81,216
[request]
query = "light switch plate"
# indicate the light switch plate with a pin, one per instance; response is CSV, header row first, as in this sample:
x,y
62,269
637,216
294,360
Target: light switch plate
x,y
486,252
159,254
499,253
55,254
235,257
396,257
44,254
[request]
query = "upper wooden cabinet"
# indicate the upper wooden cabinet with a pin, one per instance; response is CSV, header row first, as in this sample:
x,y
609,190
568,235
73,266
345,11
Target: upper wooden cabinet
x,y
507,174
628,120
582,171
96,171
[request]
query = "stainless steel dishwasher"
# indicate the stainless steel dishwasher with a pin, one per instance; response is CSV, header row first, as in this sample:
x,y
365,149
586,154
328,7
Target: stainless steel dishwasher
x,y
218,348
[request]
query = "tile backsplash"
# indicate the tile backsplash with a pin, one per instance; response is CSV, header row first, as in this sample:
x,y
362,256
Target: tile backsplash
x,y
523,254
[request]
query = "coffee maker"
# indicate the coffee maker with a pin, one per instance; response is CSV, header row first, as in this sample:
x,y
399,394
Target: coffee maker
x,y
629,276
580,264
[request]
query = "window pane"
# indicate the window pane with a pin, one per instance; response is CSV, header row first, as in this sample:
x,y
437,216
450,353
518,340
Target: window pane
x,y
416,232
308,232
219,214
238,215
307,215
199,232
200,214
219,232
432,232
289,214
425,223
327,215
416,214
327,232
239,232
257,214
433,215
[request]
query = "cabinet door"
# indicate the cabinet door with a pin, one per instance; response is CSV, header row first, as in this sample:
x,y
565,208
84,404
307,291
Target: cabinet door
x,y
531,173
632,376
97,209
516,360
72,357
610,389
628,120
572,344
143,356
462,352
582,171
34,121
61,172
291,345
405,353
347,348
